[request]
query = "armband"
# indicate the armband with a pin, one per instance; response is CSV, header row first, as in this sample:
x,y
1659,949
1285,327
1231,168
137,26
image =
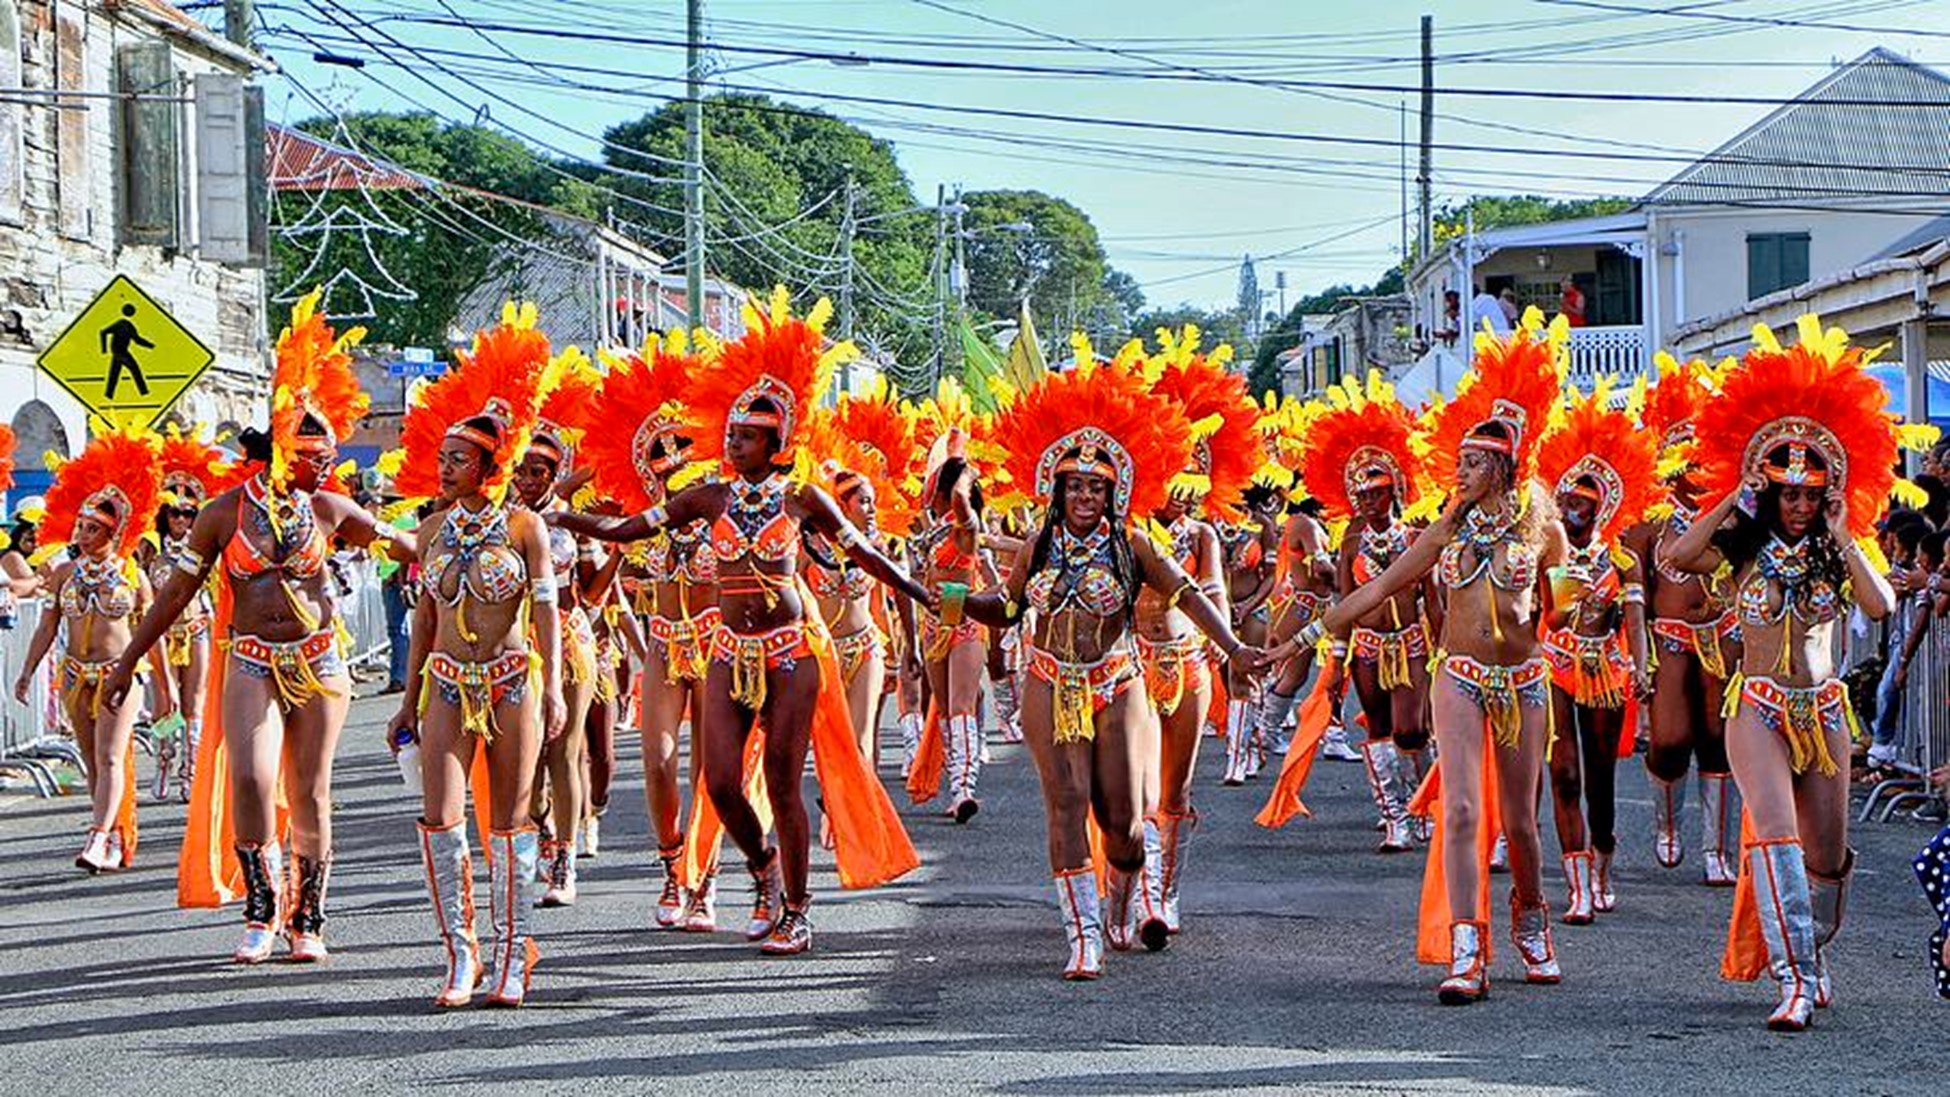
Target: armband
x,y
1635,593
190,564
657,517
543,590
1338,649
1172,602
849,536
1310,636
585,551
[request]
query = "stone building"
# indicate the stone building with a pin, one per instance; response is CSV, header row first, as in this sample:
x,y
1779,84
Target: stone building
x,y
126,130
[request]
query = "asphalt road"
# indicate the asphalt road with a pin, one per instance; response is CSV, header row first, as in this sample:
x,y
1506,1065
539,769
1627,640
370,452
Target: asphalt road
x,y
1295,972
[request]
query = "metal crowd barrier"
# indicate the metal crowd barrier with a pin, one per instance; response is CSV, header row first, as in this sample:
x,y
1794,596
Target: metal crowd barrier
x,y
1923,740
363,609
31,736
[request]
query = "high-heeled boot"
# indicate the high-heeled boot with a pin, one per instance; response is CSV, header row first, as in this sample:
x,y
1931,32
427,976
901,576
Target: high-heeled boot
x,y
768,895
1469,976
1174,837
911,724
1120,909
450,884
1828,898
1378,760
1415,770
1604,899
509,869
305,926
1787,923
1530,931
1076,895
1152,929
263,867
1238,731
1008,708
559,885
1668,798
1578,889
701,907
964,766
186,760
1719,811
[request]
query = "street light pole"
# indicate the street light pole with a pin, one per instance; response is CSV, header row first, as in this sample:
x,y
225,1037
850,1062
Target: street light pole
x,y
846,277
694,164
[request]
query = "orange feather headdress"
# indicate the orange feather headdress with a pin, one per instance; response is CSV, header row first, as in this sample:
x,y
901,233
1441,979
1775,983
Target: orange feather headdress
x,y
1515,381
1816,396
1226,450
572,384
313,382
1672,408
7,443
640,412
193,470
499,379
1357,440
1607,446
1101,418
768,377
117,478
870,438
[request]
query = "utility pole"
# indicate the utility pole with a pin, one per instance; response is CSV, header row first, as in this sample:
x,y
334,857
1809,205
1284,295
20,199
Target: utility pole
x,y
694,163
1424,238
940,275
958,282
238,19
846,277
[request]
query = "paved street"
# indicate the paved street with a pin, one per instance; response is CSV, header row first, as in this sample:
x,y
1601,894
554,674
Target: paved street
x,y
1295,972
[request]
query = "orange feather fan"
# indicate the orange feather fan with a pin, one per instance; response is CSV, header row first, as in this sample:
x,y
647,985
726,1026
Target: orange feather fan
x,y
121,469
313,379
500,377
1358,428
1608,446
639,402
1673,404
1110,405
1815,392
870,437
782,360
1515,377
7,443
194,471
1204,390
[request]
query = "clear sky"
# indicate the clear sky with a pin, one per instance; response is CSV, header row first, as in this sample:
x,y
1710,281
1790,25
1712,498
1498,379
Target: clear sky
x,y
1305,178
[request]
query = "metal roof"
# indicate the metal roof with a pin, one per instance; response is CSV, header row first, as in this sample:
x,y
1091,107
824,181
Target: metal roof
x,y
1876,129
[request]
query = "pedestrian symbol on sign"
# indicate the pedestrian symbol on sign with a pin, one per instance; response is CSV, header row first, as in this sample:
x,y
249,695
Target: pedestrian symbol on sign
x,y
115,340
125,358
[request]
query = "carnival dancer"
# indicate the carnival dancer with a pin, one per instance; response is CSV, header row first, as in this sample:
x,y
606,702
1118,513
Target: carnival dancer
x,y
1179,673
1798,453
640,452
1604,471
1303,591
1250,549
278,698
100,505
1096,447
485,671
947,549
1490,548
1358,462
559,802
867,457
192,472
773,668
1698,641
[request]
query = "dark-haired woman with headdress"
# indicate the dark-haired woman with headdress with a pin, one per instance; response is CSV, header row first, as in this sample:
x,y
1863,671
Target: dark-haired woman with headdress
x,y
1799,452
278,698
1490,694
1097,449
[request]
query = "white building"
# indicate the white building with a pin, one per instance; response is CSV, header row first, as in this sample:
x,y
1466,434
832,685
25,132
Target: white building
x,y
1851,167
124,149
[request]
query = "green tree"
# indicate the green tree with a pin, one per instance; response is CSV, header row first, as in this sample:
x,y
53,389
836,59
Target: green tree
x,y
452,243
1495,211
1024,243
774,207
1215,326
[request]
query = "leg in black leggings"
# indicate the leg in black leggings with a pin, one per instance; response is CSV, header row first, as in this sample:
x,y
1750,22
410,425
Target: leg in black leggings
x,y
1598,732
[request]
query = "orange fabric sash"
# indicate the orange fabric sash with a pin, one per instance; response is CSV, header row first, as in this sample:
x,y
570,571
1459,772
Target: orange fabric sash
x,y
125,811
207,872
704,830
870,847
930,759
1433,918
1316,713
1745,956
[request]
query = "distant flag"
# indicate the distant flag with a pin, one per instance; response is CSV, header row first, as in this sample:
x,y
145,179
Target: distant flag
x,y
1025,365
980,366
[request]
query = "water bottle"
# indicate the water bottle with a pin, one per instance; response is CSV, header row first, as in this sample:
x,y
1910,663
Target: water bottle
x,y
406,752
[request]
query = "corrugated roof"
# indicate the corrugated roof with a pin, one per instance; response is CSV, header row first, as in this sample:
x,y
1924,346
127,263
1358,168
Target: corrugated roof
x,y
1837,141
301,161
1929,232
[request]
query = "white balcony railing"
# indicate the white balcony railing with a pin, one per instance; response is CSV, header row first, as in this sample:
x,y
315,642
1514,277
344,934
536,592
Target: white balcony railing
x,y
1618,350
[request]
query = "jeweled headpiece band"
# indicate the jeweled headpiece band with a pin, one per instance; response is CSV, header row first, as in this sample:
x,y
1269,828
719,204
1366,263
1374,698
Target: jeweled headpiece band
x,y
111,502
548,442
498,411
1371,467
766,389
1510,416
1801,436
1087,451
1609,493
187,489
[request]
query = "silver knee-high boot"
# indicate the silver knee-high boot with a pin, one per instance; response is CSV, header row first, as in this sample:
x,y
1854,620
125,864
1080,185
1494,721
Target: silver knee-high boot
x,y
450,884
1787,922
511,867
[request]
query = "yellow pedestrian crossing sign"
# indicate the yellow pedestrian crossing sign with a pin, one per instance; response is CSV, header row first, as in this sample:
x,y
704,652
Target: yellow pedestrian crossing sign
x,y
125,357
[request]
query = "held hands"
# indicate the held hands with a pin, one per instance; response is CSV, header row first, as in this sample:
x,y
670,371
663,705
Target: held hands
x,y
115,688
1253,661
1642,683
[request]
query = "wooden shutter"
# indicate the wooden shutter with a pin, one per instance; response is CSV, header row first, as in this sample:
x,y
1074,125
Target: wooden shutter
x,y
74,163
1794,259
229,169
1763,264
149,146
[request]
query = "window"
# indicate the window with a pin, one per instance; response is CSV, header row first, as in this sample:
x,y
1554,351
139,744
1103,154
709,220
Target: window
x,y
1775,261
